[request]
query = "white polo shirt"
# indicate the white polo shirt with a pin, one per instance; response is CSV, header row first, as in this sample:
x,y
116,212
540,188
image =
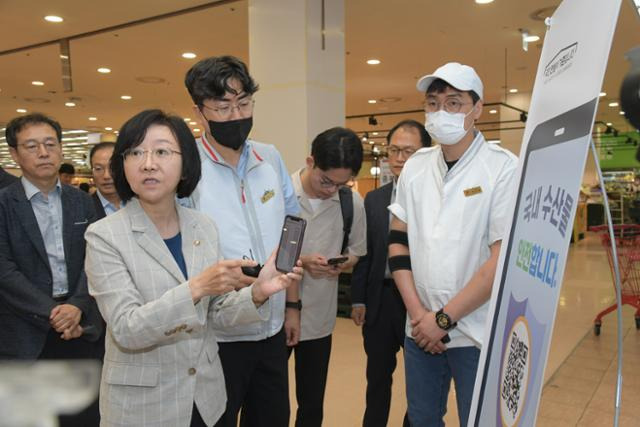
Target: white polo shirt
x,y
452,218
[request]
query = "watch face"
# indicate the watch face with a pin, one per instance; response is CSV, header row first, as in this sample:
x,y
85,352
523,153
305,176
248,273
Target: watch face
x,y
443,321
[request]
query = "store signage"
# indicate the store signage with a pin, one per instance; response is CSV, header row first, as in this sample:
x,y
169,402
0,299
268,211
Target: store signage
x,y
534,252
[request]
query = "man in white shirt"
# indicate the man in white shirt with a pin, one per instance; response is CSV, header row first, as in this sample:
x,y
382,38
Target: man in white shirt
x,y
450,213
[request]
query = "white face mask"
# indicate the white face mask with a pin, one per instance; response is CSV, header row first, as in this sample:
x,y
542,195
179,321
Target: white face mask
x,y
446,128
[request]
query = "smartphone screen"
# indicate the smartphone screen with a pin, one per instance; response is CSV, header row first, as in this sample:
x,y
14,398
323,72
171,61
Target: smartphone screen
x,y
544,202
290,243
337,260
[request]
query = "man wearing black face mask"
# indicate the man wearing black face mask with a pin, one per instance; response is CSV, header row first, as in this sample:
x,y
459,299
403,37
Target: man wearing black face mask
x,y
247,190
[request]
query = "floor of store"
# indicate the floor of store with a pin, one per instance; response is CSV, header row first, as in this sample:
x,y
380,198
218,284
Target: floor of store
x,y
581,371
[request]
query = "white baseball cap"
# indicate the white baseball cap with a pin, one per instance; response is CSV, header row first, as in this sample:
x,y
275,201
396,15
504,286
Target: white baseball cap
x,y
461,77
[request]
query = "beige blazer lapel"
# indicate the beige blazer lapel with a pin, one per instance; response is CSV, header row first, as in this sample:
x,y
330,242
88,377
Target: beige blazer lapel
x,y
193,249
148,238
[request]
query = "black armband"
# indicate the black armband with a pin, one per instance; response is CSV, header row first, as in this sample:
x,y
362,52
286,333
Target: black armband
x,y
399,237
399,262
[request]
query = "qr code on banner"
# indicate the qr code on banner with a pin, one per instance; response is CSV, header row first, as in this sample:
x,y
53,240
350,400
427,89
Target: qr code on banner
x,y
514,372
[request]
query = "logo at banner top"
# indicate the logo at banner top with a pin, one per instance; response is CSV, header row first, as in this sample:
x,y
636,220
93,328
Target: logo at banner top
x,y
560,62
514,378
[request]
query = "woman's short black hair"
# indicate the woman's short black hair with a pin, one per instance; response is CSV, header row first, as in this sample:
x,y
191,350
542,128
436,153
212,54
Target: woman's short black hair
x,y
337,148
132,134
439,86
19,123
209,78
425,138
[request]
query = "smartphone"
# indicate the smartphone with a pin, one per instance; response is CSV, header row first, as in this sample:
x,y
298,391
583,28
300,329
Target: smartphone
x,y
290,243
337,260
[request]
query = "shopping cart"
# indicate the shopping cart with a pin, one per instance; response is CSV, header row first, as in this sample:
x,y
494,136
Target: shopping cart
x,y
628,248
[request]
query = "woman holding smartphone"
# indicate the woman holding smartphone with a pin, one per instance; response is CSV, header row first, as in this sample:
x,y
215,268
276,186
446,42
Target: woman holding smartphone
x,y
154,270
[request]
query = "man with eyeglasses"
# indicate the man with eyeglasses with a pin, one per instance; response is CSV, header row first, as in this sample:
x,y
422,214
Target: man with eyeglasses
x,y
336,158
45,309
246,189
105,199
376,303
449,217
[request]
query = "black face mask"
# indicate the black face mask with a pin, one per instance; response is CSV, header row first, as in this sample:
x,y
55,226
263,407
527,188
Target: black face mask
x,y
232,133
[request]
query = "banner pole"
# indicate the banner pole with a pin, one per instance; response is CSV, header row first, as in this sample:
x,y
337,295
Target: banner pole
x,y
618,285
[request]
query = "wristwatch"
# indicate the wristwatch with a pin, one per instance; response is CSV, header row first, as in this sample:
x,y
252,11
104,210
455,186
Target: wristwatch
x,y
444,321
291,304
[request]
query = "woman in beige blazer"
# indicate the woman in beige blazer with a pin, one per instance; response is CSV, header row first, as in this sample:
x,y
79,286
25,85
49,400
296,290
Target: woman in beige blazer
x,y
154,270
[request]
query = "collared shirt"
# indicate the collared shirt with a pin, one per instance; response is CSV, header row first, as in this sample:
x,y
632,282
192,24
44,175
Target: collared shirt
x,y
323,235
48,212
452,217
108,207
248,204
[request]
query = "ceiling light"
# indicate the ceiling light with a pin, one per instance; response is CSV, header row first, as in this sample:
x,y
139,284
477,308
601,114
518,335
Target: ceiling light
x,y
108,128
531,38
37,83
622,113
484,1
493,111
189,55
53,18
603,94
375,134
375,170
493,141
372,101
613,104
609,124
70,104
514,90
373,61
196,130
192,123
104,70
126,97
93,119
187,119
21,110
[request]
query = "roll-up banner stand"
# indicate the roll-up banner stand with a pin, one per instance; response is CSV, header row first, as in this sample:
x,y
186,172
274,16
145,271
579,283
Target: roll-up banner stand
x,y
534,251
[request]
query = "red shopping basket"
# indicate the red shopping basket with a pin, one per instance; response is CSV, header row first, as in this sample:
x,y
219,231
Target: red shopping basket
x,y
628,248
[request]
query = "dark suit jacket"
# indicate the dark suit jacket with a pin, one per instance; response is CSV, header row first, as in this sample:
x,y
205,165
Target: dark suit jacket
x,y
25,274
98,205
368,275
6,178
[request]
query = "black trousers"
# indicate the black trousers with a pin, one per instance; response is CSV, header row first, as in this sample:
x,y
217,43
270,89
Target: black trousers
x,y
312,364
382,340
55,348
257,381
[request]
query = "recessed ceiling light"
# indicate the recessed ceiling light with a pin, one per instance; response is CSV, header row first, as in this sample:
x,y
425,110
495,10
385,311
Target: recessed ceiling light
x,y
613,104
373,61
21,110
493,111
126,97
189,55
531,38
196,130
108,128
53,18
609,124
70,104
622,113
116,132
104,70
93,119
375,134
187,119
193,123
372,101
37,83
484,1
603,94
514,90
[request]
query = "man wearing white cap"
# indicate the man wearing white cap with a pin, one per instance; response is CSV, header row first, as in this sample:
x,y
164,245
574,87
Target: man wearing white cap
x,y
450,213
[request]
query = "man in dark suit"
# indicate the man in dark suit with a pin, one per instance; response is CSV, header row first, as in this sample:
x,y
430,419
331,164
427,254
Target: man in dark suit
x,y
376,302
6,178
45,309
105,199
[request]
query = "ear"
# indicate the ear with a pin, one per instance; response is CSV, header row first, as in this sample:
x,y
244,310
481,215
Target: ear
x,y
477,110
310,162
14,155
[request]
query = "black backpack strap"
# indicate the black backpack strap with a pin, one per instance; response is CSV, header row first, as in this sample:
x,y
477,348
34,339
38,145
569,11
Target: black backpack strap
x,y
346,206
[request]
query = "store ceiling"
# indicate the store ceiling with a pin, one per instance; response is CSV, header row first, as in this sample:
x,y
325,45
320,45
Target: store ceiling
x,y
410,37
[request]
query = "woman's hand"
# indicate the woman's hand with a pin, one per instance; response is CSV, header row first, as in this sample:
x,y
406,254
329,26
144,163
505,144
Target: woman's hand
x,y
220,278
271,281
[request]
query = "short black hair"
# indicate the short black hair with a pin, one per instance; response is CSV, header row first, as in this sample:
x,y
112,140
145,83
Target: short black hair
x,y
209,78
19,123
425,138
337,148
67,168
132,134
99,146
84,187
439,86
